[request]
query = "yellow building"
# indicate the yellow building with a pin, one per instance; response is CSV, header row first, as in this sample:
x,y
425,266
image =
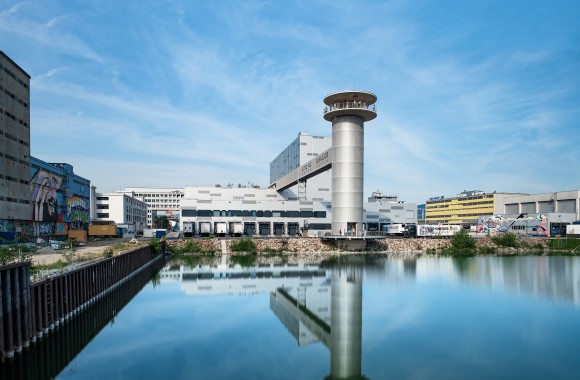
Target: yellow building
x,y
464,209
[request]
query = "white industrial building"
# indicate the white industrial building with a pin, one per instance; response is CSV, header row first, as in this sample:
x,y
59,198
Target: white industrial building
x,y
160,202
298,153
562,202
316,186
304,208
128,212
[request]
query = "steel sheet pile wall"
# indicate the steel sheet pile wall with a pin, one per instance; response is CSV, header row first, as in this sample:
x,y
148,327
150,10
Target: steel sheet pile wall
x,y
29,311
15,323
50,355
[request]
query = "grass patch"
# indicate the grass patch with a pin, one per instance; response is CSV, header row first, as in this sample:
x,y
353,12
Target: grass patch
x,y
564,243
60,264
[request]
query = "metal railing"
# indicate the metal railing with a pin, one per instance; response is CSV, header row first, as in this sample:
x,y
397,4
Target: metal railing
x,y
350,105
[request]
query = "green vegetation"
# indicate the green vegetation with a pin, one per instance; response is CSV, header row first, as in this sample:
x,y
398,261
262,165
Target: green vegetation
x,y
462,245
156,245
244,245
462,240
14,252
190,246
60,264
108,253
507,240
486,250
565,243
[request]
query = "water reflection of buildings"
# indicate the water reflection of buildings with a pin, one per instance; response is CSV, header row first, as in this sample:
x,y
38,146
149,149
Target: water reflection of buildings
x,y
314,304
556,278
324,304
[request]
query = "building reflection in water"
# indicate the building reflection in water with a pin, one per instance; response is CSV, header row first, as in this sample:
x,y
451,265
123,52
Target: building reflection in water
x,y
306,316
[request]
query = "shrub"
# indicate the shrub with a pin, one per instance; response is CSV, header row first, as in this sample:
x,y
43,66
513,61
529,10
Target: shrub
x,y
190,246
108,253
155,244
244,245
507,240
462,240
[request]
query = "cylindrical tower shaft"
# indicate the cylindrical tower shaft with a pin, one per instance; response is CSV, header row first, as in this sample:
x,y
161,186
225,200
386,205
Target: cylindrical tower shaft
x,y
348,110
346,324
347,174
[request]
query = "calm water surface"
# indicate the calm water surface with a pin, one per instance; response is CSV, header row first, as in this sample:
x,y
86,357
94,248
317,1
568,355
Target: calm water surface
x,y
431,318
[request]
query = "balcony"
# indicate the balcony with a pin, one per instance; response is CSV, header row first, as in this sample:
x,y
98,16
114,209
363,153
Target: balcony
x,y
350,103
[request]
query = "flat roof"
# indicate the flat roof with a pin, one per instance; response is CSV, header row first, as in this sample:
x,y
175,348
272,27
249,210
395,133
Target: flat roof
x,y
14,63
352,95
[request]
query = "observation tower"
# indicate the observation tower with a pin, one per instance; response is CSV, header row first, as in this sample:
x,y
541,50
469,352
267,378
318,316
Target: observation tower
x,y
348,110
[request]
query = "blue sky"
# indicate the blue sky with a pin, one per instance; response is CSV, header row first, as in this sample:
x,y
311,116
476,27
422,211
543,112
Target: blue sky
x,y
471,94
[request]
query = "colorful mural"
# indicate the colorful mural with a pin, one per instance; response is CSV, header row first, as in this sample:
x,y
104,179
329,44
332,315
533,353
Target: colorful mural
x,y
61,229
44,196
532,225
7,226
77,210
46,229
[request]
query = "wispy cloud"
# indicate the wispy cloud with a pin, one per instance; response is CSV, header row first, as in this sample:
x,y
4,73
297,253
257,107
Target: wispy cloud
x,y
464,99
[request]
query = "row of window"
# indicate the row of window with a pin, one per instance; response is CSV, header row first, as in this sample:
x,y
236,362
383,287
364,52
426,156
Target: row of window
x,y
20,101
15,200
13,117
13,76
437,217
487,196
254,213
13,179
461,205
161,195
12,158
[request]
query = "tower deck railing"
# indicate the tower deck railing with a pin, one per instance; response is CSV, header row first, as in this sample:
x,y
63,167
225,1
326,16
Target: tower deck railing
x,y
350,105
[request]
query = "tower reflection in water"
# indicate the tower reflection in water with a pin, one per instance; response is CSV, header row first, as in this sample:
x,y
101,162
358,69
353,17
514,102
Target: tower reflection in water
x,y
343,334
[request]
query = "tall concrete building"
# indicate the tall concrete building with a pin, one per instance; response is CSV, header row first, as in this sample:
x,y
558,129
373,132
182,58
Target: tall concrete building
x,y
14,145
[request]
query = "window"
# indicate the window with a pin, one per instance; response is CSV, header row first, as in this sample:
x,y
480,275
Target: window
x,y
102,215
102,198
103,207
188,212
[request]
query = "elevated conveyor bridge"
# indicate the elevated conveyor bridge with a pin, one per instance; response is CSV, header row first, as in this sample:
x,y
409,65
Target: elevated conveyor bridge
x,y
317,165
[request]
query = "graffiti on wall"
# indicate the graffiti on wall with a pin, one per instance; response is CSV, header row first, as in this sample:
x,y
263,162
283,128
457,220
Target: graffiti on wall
x,y
45,229
530,225
44,196
77,210
7,226
27,229
61,229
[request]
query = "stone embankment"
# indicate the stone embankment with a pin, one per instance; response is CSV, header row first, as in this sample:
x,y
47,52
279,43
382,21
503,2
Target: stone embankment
x,y
316,249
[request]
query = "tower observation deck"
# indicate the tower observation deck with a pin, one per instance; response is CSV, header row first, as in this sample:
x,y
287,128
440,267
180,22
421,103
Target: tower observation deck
x,y
348,110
